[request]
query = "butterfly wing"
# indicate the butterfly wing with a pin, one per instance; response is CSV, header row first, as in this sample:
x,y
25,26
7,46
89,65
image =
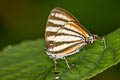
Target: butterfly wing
x,y
63,33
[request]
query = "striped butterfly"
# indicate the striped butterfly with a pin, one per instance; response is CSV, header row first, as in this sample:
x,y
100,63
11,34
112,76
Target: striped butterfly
x,y
64,35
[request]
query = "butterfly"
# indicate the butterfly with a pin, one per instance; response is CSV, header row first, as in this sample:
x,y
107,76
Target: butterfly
x,y
64,35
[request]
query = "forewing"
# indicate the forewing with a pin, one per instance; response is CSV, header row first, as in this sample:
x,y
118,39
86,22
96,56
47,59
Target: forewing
x,y
57,18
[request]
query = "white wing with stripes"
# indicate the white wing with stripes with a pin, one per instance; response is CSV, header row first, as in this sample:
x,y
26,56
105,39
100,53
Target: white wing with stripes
x,y
63,34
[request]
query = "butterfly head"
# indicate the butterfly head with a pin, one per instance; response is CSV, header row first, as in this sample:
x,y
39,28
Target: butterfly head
x,y
91,39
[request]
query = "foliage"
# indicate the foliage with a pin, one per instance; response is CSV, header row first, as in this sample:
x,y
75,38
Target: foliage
x,y
28,60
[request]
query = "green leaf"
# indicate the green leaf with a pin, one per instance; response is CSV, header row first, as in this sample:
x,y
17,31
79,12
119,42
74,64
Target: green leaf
x,y
28,61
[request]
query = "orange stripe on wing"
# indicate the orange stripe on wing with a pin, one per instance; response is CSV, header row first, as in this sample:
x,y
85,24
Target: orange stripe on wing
x,y
72,48
80,29
69,17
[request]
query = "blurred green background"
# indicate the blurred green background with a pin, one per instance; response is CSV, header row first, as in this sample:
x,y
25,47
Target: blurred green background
x,y
22,20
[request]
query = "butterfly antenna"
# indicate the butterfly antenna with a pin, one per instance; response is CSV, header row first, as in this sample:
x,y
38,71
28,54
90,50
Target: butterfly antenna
x,y
104,42
102,39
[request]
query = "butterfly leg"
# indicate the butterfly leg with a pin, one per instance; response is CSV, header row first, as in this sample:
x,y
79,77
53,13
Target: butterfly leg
x,y
55,62
67,63
102,39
